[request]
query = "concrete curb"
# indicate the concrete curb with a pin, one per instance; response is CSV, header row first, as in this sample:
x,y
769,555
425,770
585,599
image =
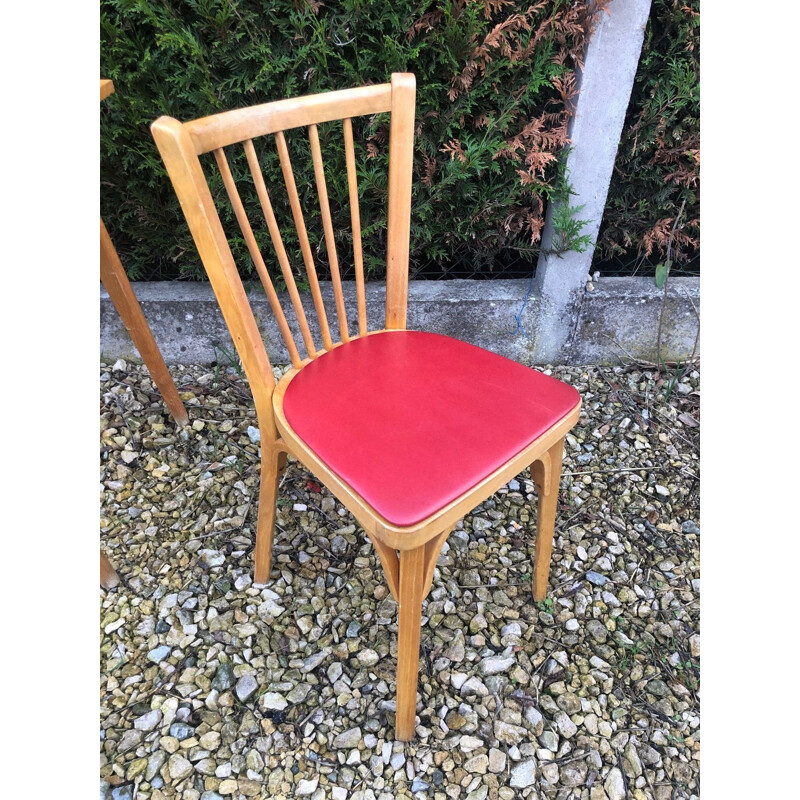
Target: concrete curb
x,y
617,322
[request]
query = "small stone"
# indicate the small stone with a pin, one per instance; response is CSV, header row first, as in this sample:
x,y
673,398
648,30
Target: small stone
x,y
228,787
335,671
149,721
223,677
572,625
574,773
299,507
494,665
477,765
470,743
154,763
631,761
509,734
249,788
497,760
122,792
658,688
472,686
455,652
246,687
690,528
566,727
273,701
348,739
136,768
550,772
597,630
210,740
158,654
179,767
479,794
210,796
455,721
477,623
368,658
307,787
569,703
397,761
211,558
535,719
614,785
270,608
313,661
417,785
523,774
298,693
338,793
596,578
181,731
694,645
339,545
662,490
129,740
549,740
254,434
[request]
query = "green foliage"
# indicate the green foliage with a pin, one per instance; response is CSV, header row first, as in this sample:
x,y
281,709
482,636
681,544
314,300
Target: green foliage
x,y
545,605
493,81
658,161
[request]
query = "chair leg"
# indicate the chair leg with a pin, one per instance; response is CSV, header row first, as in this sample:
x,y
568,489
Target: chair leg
x,y
267,497
108,575
119,290
546,475
411,592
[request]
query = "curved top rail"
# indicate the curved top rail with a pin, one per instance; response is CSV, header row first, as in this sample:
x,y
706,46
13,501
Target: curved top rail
x,y
231,127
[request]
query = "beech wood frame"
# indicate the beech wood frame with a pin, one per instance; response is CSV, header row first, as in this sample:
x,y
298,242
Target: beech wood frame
x,y
408,555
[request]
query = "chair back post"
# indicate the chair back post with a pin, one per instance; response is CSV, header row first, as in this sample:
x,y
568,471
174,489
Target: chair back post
x,y
401,156
183,166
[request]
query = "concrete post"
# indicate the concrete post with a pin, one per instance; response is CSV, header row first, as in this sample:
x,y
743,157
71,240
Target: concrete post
x,y
604,85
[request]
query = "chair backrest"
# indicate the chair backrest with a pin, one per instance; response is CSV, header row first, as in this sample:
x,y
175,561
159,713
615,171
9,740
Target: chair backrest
x,y
181,145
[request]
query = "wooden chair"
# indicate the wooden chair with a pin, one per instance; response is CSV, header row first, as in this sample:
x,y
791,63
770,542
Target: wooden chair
x,y
409,430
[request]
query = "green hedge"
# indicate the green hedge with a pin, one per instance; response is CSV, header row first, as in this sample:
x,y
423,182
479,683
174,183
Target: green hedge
x,y
492,79
656,181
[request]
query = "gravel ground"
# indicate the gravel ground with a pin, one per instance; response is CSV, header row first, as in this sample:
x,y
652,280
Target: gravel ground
x,y
213,687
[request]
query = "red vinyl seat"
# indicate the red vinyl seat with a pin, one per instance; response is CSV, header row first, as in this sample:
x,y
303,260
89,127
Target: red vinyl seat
x,y
411,420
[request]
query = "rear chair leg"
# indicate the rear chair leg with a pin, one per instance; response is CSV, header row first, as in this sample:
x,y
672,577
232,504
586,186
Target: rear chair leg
x,y
108,575
546,475
272,464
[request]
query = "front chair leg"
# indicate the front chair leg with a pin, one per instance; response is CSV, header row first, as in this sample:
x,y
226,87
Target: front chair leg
x,y
546,476
411,592
271,467
108,575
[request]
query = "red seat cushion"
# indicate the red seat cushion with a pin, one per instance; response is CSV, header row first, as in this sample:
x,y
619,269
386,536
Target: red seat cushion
x,y
412,420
